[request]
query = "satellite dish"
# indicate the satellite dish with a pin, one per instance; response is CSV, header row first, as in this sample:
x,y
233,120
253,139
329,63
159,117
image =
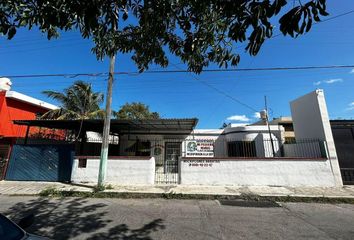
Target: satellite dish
x,y
5,84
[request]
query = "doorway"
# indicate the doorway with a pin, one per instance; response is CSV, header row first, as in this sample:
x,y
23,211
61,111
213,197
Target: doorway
x,y
169,173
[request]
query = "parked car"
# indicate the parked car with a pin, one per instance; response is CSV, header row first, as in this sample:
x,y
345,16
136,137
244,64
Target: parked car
x,y
12,231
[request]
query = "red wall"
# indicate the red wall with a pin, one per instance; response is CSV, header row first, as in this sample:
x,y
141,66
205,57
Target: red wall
x,y
12,109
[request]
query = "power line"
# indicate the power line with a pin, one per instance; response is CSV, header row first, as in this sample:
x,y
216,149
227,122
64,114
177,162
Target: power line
x,y
48,47
257,69
161,80
336,16
74,75
222,92
315,23
97,74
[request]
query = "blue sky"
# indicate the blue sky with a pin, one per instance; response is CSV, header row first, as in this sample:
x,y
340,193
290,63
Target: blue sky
x,y
179,95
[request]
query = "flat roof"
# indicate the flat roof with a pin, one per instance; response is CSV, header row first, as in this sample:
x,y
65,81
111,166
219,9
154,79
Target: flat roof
x,y
30,100
120,126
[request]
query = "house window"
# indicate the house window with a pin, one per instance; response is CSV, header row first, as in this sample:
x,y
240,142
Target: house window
x,y
288,127
139,148
82,162
143,148
241,149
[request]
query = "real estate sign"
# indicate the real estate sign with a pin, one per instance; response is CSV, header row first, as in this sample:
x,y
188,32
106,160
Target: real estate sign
x,y
200,148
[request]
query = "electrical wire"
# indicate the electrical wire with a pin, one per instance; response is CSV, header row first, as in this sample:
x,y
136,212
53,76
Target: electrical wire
x,y
222,92
73,75
25,41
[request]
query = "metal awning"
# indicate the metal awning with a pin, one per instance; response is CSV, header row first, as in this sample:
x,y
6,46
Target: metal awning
x,y
118,126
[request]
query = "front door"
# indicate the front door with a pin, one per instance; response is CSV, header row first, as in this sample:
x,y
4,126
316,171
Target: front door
x,y
172,153
167,164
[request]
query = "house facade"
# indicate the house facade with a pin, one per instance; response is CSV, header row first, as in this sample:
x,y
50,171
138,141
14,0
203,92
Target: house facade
x,y
16,106
172,151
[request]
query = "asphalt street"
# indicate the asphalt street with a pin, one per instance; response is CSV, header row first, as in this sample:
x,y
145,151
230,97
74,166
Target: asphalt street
x,y
82,218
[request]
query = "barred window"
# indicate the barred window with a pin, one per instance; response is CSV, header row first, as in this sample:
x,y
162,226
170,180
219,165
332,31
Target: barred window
x,y
241,149
82,162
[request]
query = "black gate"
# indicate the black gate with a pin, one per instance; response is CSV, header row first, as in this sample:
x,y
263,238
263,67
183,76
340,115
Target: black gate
x,y
41,162
343,134
167,167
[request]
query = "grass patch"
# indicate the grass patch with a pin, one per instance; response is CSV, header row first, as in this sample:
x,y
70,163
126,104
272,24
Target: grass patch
x,y
49,192
327,200
52,192
99,188
109,187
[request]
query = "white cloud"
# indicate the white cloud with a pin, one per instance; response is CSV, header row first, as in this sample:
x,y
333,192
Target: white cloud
x,y
257,115
351,106
239,118
329,81
352,71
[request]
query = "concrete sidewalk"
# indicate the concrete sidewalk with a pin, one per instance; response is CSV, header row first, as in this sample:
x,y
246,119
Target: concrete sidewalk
x,y
33,188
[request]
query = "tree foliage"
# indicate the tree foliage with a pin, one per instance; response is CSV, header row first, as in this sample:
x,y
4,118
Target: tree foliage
x,y
76,102
136,110
199,32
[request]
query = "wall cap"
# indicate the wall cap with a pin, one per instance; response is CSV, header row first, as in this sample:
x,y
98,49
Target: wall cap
x,y
254,159
115,157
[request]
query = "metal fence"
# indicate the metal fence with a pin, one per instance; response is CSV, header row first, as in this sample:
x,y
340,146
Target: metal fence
x,y
347,175
305,148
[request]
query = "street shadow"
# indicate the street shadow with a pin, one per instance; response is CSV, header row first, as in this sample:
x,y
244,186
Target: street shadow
x,y
66,218
122,232
60,218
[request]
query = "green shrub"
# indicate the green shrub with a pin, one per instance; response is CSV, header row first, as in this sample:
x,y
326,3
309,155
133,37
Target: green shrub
x,y
49,192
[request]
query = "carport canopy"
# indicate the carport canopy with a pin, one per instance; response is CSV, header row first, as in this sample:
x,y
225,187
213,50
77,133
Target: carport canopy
x,y
119,126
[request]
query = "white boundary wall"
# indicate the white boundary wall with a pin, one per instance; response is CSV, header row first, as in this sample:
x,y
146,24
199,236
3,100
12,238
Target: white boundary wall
x,y
311,120
121,171
257,172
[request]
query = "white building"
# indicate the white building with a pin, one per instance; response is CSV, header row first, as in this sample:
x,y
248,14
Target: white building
x,y
170,151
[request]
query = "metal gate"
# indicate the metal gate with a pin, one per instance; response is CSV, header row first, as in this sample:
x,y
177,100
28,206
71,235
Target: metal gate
x,y
343,134
41,163
167,172
4,154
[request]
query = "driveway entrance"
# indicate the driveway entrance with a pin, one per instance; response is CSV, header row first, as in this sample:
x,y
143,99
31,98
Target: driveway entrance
x,y
52,163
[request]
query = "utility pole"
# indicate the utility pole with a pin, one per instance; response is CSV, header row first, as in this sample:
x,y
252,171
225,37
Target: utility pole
x,y
106,124
107,120
267,122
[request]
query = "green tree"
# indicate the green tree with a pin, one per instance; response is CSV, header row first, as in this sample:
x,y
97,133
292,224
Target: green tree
x,y
136,110
199,32
76,102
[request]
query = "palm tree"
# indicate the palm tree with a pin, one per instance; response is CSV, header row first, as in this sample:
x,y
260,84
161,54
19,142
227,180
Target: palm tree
x,y
77,102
